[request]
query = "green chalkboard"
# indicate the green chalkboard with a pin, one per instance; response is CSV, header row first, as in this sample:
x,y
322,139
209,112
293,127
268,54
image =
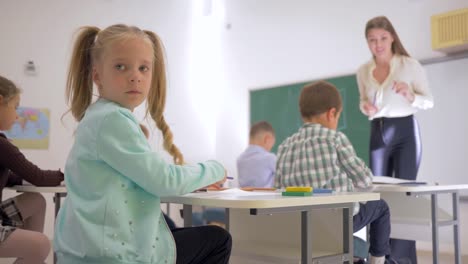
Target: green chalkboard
x,y
279,106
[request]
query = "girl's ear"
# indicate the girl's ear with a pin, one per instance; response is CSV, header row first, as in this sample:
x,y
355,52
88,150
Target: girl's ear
x,y
1,99
96,78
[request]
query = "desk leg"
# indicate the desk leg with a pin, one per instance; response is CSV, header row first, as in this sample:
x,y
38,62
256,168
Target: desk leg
x,y
168,209
57,199
456,227
57,204
306,237
226,218
348,234
435,229
187,215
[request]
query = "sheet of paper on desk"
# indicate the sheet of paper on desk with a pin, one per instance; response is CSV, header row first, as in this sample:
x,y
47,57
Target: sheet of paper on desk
x,y
392,180
26,183
233,192
239,192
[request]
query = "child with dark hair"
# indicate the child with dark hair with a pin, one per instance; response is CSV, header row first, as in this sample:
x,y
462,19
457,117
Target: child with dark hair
x,y
321,157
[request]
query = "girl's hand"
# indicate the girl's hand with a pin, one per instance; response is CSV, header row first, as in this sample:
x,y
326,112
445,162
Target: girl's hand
x,y
218,185
370,109
403,89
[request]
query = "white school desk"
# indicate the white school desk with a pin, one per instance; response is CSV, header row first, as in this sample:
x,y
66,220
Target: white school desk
x,y
58,191
275,203
435,222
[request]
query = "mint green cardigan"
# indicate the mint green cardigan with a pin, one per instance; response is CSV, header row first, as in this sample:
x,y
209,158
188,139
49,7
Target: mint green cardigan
x,y
114,182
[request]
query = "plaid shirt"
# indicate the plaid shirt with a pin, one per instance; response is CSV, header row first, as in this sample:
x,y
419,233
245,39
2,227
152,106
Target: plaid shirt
x,y
322,158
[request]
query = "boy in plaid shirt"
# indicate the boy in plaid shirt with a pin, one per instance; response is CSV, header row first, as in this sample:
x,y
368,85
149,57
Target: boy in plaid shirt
x,y
321,157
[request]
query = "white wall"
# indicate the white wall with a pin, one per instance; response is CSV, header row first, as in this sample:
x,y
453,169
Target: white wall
x,y
213,61
42,31
444,128
274,42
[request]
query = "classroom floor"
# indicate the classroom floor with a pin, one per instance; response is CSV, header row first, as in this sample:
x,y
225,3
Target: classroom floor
x,y
426,257
423,258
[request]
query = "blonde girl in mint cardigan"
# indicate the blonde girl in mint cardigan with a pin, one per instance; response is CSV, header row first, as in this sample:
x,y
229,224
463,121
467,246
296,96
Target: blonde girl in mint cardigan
x,y
114,180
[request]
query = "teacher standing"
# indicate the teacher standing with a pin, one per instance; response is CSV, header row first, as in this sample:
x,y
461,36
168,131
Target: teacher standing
x,y
393,86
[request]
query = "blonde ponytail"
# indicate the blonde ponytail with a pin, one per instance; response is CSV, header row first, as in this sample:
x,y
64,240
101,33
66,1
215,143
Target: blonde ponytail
x,y
79,81
157,98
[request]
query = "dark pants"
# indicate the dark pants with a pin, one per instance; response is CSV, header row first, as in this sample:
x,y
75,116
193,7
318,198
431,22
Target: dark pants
x,y
395,150
169,221
377,215
203,244
395,147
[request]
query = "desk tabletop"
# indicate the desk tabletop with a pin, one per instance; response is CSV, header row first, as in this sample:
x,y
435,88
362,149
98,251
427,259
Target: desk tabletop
x,y
39,189
418,188
273,200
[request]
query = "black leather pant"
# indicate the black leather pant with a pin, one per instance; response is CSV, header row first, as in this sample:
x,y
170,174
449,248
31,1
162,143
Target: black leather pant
x,y
395,147
395,150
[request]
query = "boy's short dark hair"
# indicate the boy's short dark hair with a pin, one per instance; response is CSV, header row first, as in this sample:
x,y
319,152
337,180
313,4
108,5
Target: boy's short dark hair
x,y
319,97
261,126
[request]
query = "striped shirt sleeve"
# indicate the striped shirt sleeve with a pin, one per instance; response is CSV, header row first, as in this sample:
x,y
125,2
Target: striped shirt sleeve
x,y
351,164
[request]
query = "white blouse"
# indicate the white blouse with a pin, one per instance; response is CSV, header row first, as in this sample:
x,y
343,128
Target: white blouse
x,y
388,102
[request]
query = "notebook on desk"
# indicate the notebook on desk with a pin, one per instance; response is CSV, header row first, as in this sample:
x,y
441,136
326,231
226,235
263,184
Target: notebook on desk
x,y
392,180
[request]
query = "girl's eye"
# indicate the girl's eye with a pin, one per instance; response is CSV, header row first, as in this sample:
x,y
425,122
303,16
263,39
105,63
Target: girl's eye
x,y
120,67
144,68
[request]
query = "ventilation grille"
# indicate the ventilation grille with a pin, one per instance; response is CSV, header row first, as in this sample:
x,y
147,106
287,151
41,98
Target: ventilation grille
x,y
450,31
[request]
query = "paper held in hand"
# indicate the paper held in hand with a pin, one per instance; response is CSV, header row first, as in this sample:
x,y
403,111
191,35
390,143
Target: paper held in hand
x,y
392,180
